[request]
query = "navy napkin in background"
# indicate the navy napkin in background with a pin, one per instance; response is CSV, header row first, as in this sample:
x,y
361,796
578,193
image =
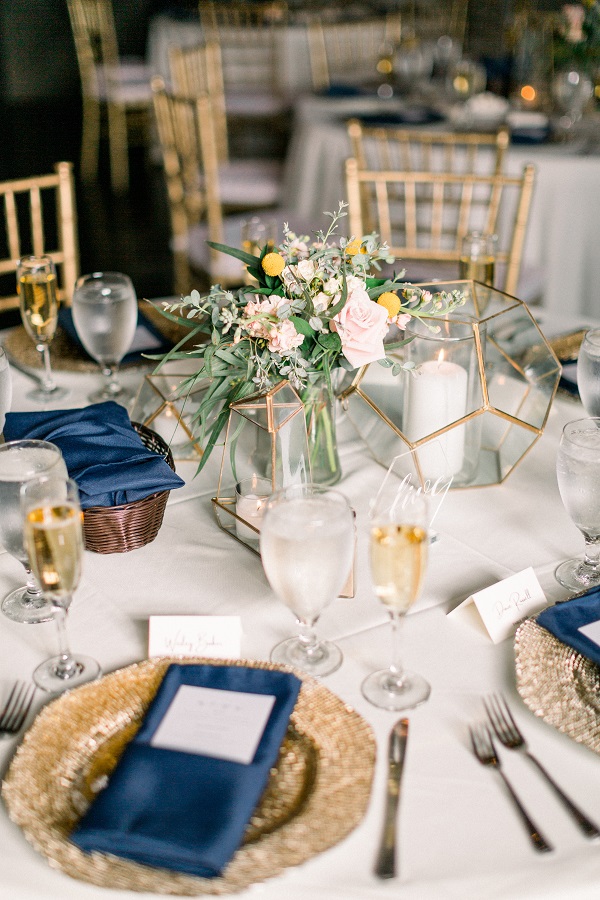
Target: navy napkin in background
x,y
564,619
185,811
103,453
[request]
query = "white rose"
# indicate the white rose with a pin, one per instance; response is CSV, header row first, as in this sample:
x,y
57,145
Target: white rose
x,y
306,269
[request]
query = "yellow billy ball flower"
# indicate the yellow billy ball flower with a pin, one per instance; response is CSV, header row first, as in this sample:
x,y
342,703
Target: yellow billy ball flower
x,y
273,264
391,302
354,247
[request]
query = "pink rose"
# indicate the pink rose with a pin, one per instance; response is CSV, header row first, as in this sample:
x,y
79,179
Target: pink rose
x,y
362,326
575,15
258,327
283,337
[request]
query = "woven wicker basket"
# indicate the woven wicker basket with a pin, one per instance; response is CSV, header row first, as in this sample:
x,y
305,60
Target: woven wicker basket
x,y
117,529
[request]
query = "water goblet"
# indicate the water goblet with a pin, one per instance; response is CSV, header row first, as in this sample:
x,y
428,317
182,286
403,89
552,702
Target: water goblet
x,y
307,545
398,555
20,461
53,526
588,372
105,317
36,286
5,387
578,476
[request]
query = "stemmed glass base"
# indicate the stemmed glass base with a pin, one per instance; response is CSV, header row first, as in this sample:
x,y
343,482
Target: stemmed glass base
x,y
319,658
395,691
39,395
577,575
60,673
26,608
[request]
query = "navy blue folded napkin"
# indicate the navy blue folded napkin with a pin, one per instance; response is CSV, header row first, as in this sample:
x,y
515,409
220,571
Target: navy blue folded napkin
x,y
411,115
341,89
185,811
564,620
147,338
103,453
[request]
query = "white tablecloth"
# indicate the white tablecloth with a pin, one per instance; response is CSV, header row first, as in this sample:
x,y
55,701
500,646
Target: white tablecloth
x,y
460,838
563,242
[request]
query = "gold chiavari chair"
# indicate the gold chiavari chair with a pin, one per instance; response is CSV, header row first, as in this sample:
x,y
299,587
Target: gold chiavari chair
x,y
244,183
40,218
418,150
251,38
423,216
349,50
115,91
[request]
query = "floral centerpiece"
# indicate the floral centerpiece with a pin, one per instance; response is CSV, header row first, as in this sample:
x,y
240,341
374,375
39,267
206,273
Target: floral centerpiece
x,y
315,309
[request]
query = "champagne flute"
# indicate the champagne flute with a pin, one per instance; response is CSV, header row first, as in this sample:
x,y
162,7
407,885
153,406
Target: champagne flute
x,y
36,285
399,542
20,461
588,372
306,545
105,316
578,476
53,524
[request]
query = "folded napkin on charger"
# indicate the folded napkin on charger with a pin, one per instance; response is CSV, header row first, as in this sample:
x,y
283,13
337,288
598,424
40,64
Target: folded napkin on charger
x,y
565,619
103,453
185,811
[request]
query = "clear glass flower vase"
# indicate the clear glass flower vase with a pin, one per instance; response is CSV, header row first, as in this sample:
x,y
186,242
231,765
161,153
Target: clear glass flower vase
x,y
319,408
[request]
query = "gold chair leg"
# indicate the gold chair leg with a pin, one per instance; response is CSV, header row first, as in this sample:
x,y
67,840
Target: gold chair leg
x,y
90,139
118,147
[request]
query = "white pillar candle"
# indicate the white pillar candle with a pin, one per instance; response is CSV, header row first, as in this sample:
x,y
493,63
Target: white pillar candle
x,y
251,495
436,395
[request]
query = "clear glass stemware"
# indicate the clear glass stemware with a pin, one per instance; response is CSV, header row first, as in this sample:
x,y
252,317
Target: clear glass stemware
x,y
36,285
588,372
578,476
307,545
53,527
20,461
105,317
399,540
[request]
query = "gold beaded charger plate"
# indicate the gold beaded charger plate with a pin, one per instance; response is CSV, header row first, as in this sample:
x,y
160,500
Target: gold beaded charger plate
x,y
558,684
317,793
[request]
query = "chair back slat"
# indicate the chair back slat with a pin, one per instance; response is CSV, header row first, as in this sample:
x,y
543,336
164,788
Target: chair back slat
x,y
40,218
425,215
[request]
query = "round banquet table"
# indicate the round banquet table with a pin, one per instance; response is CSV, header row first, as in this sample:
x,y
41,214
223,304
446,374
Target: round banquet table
x,y
459,836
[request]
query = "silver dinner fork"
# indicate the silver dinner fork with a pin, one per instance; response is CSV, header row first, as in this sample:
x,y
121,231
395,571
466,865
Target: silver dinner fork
x,y
507,731
12,717
484,750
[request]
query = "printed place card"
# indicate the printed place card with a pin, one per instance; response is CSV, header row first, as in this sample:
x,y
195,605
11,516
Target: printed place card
x,y
213,722
499,607
591,631
217,637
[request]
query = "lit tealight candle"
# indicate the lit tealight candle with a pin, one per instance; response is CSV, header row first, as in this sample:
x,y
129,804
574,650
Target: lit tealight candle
x,y
436,396
251,495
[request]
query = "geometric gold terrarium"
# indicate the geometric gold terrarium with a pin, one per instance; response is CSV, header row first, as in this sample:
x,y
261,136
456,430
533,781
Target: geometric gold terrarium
x,y
167,405
266,448
476,399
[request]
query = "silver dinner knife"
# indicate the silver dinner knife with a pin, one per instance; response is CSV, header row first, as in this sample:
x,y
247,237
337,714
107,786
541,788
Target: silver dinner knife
x,y
386,860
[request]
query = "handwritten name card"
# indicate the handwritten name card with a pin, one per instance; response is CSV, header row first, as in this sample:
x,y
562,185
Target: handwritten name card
x,y
499,607
216,637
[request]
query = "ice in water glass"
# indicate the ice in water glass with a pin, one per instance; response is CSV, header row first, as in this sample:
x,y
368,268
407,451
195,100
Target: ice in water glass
x,y
20,461
105,317
588,372
307,546
399,542
53,528
578,475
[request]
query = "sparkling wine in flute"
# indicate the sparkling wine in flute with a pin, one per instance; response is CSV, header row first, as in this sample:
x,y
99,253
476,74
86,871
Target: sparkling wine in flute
x,y
398,563
39,305
53,527
477,269
54,541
